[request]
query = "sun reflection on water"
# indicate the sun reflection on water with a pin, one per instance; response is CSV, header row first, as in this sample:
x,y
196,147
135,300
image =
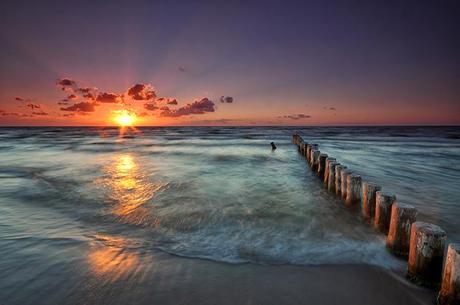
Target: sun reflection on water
x,y
128,184
111,259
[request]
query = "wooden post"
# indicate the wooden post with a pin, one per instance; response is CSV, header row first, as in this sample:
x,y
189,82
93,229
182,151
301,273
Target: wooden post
x,y
314,158
426,253
353,189
383,203
302,148
326,170
344,173
338,179
368,199
331,176
450,285
402,217
310,148
321,165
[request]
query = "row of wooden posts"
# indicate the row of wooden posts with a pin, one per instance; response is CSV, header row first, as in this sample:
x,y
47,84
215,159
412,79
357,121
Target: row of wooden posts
x,y
423,244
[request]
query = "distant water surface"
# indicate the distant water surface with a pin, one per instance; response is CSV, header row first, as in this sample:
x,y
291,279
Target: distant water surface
x,y
79,201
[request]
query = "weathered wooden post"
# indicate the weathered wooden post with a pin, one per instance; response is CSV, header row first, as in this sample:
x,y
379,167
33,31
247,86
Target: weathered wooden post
x,y
426,253
402,217
368,199
314,158
343,177
383,203
310,148
450,285
338,179
331,176
321,165
302,148
326,171
353,189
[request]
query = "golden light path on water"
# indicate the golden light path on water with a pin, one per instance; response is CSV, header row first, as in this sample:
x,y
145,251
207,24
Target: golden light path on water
x,y
128,188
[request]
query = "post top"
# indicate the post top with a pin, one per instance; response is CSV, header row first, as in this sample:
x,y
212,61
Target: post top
x,y
385,194
428,228
404,206
369,183
454,247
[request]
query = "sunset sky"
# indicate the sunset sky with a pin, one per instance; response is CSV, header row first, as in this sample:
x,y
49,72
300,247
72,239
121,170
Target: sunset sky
x,y
230,62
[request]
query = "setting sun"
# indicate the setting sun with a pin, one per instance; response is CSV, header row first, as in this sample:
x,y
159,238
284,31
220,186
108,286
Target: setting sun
x,y
125,118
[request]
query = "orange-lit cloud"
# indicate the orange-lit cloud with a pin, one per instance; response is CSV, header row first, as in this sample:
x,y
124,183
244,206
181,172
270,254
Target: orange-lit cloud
x,y
197,107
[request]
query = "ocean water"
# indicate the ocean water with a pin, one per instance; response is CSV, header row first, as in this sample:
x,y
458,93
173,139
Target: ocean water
x,y
81,202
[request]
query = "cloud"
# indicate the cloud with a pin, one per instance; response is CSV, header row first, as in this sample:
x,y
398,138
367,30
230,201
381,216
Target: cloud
x,y
332,108
63,102
142,92
167,100
295,116
41,112
84,90
197,107
150,106
71,96
182,69
33,106
81,107
107,98
226,99
66,82
89,96
20,99
5,113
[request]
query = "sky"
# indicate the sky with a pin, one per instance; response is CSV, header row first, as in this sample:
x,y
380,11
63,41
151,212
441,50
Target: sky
x,y
230,62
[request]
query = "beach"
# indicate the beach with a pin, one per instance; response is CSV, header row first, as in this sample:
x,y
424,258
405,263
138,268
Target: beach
x,y
185,215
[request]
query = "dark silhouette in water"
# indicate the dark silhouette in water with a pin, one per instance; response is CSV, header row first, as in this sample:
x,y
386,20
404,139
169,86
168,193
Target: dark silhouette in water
x,y
273,145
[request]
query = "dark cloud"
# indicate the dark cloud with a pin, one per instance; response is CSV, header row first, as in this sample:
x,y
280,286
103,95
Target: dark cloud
x,y
81,107
33,106
150,106
41,112
89,96
107,98
182,69
295,116
167,100
84,90
198,107
71,96
332,108
20,99
65,82
226,99
141,92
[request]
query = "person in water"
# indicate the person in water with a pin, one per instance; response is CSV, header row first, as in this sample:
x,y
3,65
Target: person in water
x,y
273,145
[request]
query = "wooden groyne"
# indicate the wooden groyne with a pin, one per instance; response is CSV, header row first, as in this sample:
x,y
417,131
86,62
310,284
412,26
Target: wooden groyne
x,y
423,244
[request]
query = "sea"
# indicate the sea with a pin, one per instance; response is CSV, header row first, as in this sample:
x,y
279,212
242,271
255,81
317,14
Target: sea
x,y
82,202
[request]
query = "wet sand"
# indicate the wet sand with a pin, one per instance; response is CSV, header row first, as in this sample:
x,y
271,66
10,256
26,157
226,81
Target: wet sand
x,y
195,281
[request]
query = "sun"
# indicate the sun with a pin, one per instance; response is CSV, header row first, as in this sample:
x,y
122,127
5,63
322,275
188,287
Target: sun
x,y
124,118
